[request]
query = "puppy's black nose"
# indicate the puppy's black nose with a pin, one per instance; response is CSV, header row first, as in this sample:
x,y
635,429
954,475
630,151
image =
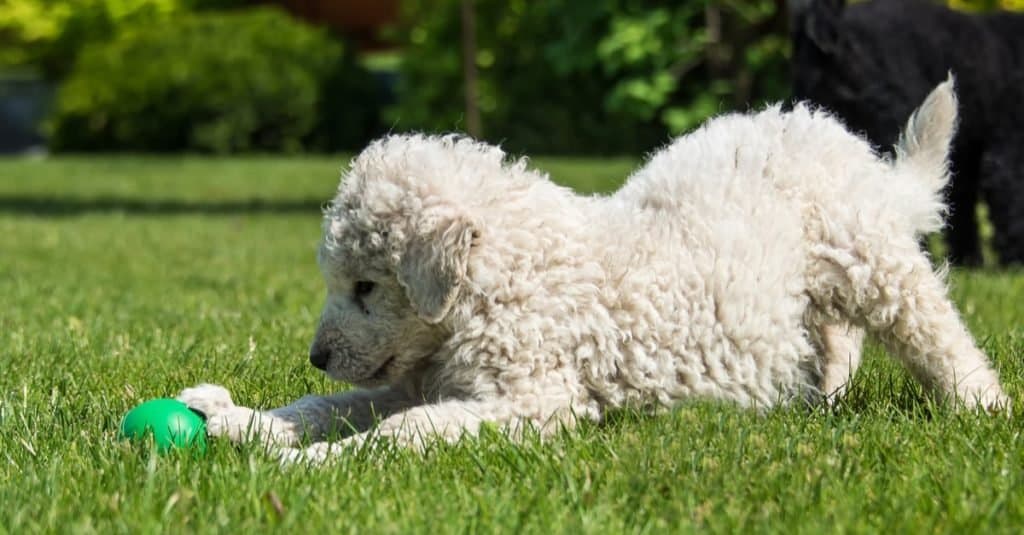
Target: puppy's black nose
x,y
318,357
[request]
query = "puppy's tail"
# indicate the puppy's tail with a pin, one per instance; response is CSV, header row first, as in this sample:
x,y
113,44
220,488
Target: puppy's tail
x,y
922,153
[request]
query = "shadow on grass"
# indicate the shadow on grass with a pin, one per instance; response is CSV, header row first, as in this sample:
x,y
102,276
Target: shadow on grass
x,y
57,206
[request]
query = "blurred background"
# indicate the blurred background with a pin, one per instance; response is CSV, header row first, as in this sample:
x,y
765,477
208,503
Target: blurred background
x,y
597,77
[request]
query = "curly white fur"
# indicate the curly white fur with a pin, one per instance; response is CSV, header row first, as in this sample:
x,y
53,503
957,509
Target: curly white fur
x,y
743,262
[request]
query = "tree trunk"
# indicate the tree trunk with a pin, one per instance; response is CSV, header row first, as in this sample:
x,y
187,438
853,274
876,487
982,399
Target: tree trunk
x,y
469,72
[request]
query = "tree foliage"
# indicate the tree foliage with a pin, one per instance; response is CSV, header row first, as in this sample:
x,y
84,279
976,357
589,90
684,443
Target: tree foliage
x,y
592,75
987,5
47,34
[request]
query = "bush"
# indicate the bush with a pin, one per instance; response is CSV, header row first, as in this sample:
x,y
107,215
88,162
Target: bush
x,y
592,76
214,82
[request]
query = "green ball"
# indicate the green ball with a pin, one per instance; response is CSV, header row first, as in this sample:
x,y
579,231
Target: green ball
x,y
170,422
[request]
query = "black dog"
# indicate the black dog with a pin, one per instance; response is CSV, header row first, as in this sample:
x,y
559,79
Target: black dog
x,y
872,62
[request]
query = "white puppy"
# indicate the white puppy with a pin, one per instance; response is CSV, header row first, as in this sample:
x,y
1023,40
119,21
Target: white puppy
x,y
742,263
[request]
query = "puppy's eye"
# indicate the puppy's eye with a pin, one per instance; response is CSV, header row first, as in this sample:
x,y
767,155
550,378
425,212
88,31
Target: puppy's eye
x,y
363,288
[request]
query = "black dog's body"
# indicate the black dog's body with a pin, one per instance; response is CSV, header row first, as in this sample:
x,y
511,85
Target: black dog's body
x,y
872,62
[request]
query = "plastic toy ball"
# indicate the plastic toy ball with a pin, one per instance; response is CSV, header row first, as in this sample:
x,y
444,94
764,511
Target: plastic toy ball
x,y
170,422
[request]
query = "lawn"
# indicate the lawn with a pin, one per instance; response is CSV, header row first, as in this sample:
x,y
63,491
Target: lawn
x,y
125,279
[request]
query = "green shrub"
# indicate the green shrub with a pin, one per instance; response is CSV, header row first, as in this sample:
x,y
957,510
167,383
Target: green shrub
x,y
214,82
591,76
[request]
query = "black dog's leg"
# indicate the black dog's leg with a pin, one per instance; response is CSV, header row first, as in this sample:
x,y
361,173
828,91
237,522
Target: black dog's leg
x,y
962,196
1002,186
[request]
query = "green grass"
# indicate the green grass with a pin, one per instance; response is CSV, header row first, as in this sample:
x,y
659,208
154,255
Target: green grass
x,y
124,279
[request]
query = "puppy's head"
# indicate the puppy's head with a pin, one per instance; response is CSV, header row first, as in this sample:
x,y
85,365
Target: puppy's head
x,y
395,254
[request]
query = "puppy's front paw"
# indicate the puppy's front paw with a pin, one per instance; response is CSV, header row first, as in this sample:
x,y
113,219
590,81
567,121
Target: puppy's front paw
x,y
211,400
238,424
315,454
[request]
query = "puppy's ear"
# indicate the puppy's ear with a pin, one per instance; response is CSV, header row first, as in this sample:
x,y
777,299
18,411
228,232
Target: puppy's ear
x,y
433,266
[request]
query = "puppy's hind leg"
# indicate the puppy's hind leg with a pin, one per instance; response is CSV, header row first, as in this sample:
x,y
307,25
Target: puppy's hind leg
x,y
842,345
890,284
